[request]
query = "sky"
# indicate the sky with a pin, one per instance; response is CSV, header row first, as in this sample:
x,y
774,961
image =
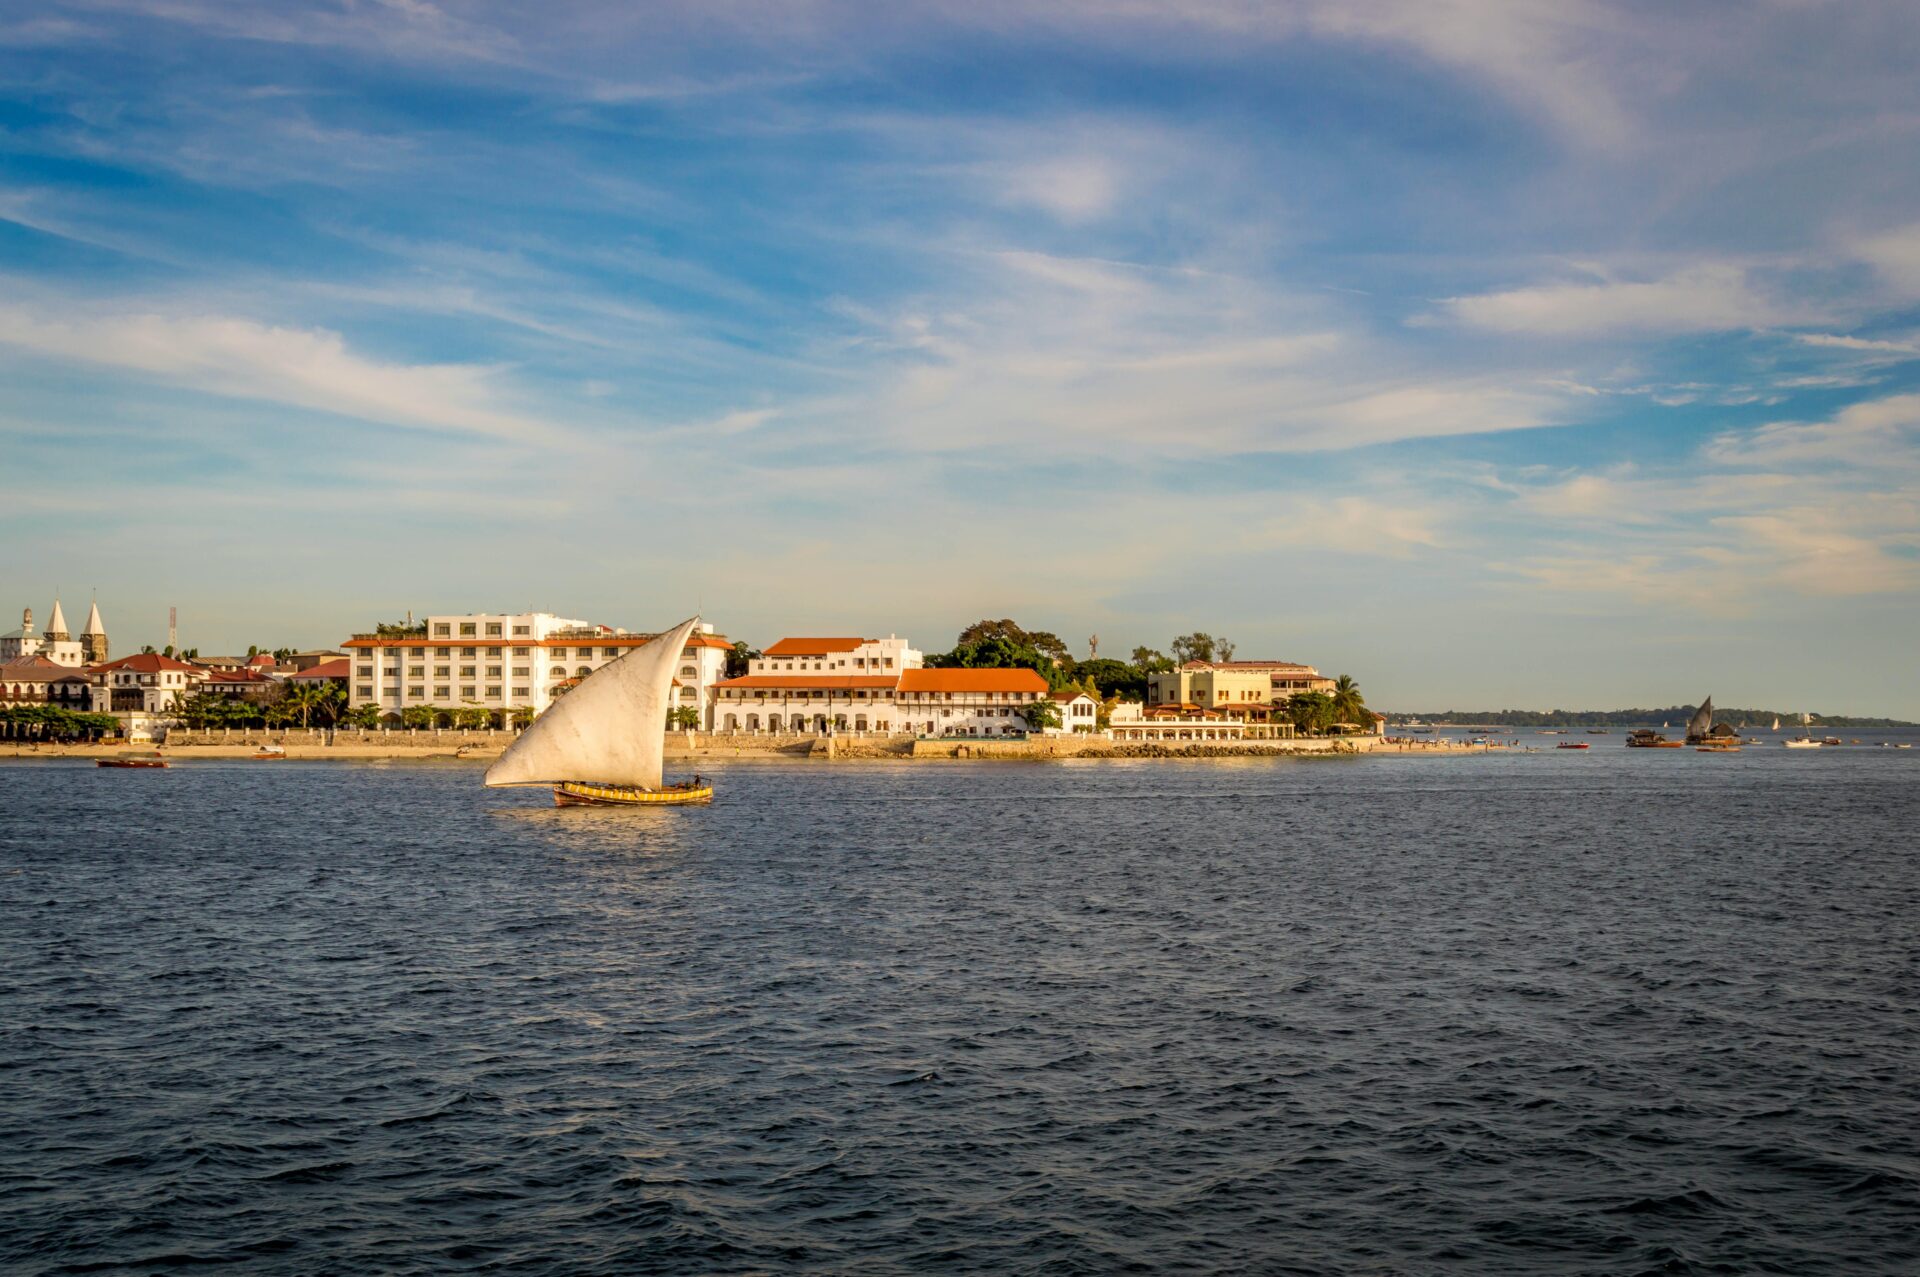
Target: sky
x,y
1500,353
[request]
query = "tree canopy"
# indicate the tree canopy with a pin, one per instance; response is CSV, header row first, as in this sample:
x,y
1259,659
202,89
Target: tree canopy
x,y
738,657
1113,678
1004,645
1042,641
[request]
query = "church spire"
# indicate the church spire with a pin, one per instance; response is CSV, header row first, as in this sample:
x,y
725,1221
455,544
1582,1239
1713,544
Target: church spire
x,y
56,631
93,639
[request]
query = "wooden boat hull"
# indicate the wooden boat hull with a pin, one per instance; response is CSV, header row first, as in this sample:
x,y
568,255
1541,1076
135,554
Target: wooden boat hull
x,y
574,794
1571,745
130,762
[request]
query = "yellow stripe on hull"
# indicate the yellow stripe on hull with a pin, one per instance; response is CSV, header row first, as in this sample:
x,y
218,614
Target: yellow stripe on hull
x,y
572,794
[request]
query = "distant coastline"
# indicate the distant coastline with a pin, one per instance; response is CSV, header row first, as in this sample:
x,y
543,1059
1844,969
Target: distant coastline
x,y
1627,718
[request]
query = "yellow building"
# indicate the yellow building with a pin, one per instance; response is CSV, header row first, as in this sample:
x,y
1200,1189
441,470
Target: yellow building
x,y
1238,688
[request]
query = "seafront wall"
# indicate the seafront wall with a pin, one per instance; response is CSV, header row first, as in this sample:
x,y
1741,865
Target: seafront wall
x,y
691,747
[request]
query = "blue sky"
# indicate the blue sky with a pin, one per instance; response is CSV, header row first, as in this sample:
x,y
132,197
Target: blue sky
x,y
1500,353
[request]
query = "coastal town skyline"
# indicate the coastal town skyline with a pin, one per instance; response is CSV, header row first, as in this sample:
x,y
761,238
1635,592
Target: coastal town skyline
x,y
1094,647
1498,354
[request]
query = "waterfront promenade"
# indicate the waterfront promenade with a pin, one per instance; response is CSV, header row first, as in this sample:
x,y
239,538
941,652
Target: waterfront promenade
x,y
454,746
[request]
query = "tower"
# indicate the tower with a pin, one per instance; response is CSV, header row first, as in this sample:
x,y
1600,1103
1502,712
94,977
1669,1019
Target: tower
x,y
93,639
57,625
26,622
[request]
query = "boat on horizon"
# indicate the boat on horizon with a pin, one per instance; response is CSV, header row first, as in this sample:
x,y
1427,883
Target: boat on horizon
x,y
133,760
1573,744
1805,739
1647,738
603,744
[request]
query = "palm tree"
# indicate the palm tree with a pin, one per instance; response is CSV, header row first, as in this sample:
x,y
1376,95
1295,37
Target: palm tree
x,y
1349,706
302,701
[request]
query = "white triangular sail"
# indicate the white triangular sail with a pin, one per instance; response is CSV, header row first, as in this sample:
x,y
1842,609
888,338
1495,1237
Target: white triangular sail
x,y
609,730
1702,721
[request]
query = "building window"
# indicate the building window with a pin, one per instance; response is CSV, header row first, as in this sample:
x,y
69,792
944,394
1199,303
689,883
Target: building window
x,y
469,651
467,693
522,671
493,693
520,653
520,693
612,652
582,672
522,629
442,693
441,671
466,629
493,629
366,671
441,630
416,671
416,693
493,671
365,692
466,671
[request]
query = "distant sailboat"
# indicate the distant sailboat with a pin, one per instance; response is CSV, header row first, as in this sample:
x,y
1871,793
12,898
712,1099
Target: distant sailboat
x,y
604,742
1776,723
1701,723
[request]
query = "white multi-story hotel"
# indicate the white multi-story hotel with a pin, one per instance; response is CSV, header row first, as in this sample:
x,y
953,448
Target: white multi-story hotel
x,y
871,685
503,663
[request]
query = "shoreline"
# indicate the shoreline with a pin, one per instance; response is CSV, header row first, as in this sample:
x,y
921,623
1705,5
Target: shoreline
x,y
960,749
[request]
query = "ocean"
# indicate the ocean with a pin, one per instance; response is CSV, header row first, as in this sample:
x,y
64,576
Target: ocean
x,y
1591,1012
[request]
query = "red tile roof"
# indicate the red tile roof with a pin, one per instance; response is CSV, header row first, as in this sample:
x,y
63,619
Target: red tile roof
x,y
238,676
802,682
995,680
324,670
147,663
813,646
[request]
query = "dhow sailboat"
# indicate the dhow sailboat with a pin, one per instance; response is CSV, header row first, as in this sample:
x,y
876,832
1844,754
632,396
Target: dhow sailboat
x,y
603,744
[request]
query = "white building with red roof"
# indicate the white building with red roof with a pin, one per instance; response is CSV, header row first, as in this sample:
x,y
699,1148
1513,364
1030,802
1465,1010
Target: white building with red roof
x,y
145,683
819,685
507,662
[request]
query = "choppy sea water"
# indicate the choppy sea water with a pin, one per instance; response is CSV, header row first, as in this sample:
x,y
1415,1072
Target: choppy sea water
x,y
1602,1012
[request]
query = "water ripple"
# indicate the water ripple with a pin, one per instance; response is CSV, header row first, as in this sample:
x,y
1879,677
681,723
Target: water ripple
x,y
1491,1015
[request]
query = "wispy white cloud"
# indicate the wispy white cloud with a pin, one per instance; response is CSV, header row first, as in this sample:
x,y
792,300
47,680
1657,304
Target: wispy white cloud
x,y
1875,432
1699,299
308,368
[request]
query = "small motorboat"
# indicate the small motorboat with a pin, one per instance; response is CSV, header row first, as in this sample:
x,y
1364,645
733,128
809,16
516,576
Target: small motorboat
x,y
268,753
142,760
1573,744
1727,748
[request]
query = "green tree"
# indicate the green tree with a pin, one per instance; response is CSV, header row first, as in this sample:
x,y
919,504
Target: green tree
x,y
1002,652
1349,706
1042,641
1109,677
1041,714
1311,712
364,717
522,716
738,657
299,701
1150,661
418,717
1201,646
684,717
